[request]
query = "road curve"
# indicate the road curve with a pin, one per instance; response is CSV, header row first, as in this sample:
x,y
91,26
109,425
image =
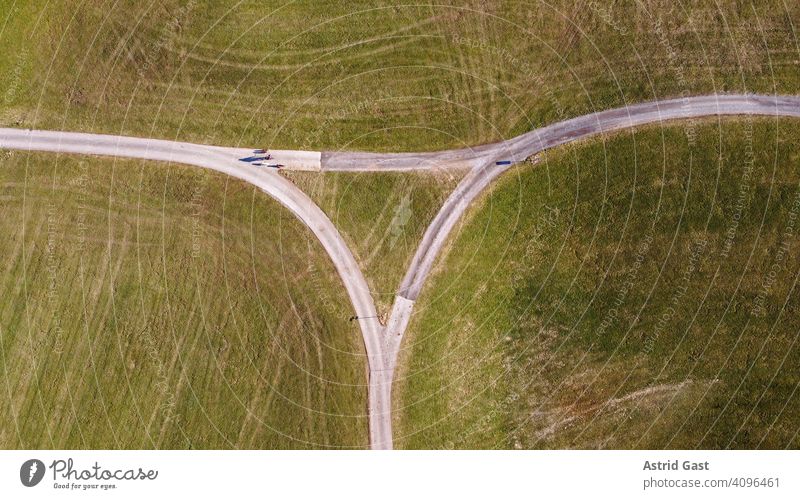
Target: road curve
x,y
524,146
483,170
528,144
226,160
383,344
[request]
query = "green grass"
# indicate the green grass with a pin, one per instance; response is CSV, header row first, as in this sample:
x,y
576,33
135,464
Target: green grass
x,y
352,75
637,291
162,306
373,74
381,216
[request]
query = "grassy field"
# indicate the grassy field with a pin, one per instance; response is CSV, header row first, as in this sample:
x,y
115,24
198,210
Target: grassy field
x,y
352,75
153,306
637,291
373,74
382,217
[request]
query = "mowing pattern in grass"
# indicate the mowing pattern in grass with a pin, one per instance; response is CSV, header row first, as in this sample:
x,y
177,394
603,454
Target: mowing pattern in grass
x,y
146,305
633,292
382,216
371,74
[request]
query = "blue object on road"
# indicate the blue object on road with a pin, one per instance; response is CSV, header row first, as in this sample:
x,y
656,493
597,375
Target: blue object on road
x,y
504,162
